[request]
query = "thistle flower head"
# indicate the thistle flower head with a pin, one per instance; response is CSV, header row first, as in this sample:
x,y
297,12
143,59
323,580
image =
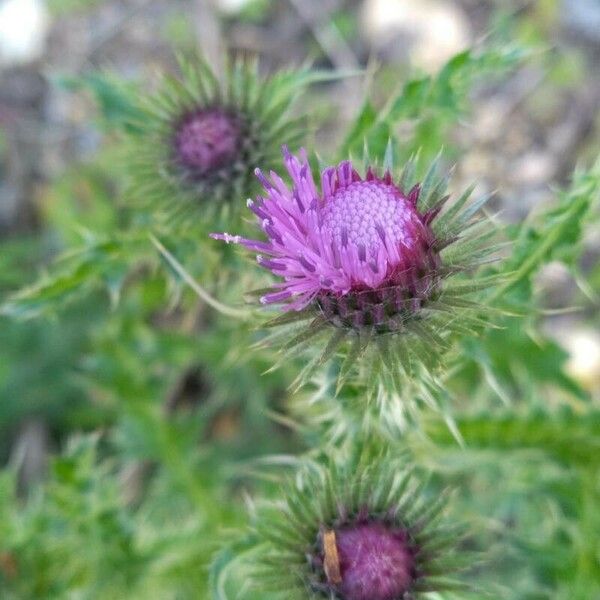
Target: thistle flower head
x,y
358,531
367,256
198,138
358,247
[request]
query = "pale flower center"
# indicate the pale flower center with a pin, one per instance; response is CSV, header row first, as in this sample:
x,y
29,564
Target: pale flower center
x,y
361,212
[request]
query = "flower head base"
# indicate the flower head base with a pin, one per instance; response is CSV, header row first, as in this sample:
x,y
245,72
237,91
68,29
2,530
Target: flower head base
x,y
368,256
197,140
358,530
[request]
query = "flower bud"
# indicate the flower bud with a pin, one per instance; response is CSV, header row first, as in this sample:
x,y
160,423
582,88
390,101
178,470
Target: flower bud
x,y
358,530
198,139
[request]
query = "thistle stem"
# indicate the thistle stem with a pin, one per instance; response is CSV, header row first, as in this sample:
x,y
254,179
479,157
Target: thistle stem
x,y
228,311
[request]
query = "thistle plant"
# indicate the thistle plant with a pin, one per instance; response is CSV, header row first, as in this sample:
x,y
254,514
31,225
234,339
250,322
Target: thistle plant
x,y
198,138
384,294
370,264
358,529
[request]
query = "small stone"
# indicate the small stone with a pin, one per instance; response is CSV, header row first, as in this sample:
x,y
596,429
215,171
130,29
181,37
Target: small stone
x,y
534,168
232,6
428,32
583,17
584,361
23,28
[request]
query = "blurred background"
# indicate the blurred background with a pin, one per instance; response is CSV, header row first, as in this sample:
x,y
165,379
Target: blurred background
x,y
74,370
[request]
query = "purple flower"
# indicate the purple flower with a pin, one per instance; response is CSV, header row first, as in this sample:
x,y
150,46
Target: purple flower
x,y
358,247
369,256
358,527
194,143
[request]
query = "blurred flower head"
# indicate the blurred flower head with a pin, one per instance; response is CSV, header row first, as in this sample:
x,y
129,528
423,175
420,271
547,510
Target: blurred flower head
x,y
205,141
198,138
358,530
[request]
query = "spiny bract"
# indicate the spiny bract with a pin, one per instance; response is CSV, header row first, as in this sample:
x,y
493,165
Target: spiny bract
x,y
369,259
357,529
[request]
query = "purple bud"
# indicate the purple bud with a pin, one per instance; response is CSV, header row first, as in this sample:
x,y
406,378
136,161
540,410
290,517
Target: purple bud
x,y
206,140
369,561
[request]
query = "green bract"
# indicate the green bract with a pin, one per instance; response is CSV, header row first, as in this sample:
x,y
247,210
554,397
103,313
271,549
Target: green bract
x,y
354,525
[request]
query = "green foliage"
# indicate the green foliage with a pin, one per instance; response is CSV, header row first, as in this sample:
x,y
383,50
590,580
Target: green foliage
x,y
77,536
40,359
430,104
115,97
97,261
557,233
497,359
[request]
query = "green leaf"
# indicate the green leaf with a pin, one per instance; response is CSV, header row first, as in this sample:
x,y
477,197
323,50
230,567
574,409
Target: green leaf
x,y
431,104
556,233
98,262
566,436
362,125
